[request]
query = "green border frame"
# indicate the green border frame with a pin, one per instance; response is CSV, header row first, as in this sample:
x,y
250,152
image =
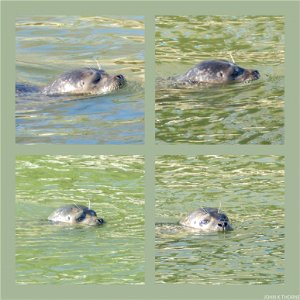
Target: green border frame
x,y
9,150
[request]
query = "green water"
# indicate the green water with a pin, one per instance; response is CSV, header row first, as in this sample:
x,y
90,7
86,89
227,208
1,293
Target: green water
x,y
251,113
250,190
51,254
49,46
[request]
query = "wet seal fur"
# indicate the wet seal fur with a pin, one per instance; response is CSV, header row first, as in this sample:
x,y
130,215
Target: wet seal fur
x,y
80,81
207,219
75,214
214,72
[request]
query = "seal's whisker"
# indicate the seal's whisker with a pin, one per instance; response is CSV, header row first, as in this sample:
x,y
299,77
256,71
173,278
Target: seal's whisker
x,y
231,57
98,65
205,210
219,207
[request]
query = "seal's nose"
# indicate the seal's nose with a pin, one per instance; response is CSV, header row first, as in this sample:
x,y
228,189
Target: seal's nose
x,y
223,225
120,78
100,221
255,74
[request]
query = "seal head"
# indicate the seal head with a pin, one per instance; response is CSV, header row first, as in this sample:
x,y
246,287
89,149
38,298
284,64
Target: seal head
x,y
217,71
75,214
207,219
85,81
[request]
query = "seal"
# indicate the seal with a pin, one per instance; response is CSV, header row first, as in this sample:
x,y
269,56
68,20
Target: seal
x,y
207,219
75,214
80,81
85,81
216,72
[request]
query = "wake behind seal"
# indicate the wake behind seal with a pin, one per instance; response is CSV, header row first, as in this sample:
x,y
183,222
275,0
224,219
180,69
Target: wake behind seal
x,y
79,81
75,214
207,219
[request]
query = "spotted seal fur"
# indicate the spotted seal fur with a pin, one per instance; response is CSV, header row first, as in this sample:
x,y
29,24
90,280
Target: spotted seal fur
x,y
75,214
207,219
80,81
212,72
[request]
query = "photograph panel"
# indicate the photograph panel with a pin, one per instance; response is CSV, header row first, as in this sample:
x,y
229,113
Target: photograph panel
x,y
220,79
80,80
80,219
220,219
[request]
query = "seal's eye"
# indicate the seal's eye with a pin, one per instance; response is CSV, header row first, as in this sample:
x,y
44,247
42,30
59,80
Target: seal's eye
x,y
81,218
92,213
97,78
236,72
203,222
